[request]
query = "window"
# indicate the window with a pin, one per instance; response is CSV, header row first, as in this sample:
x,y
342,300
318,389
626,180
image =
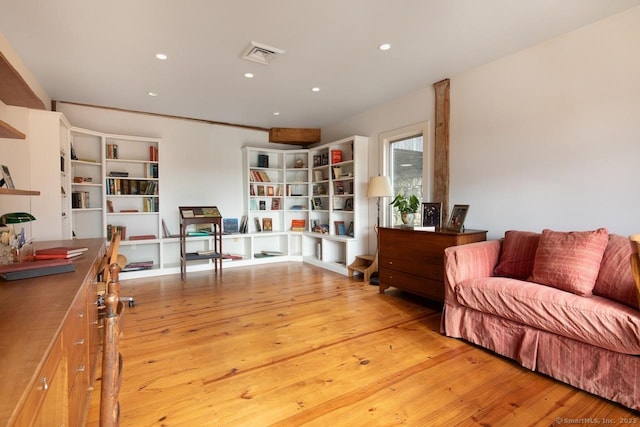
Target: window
x,y
407,160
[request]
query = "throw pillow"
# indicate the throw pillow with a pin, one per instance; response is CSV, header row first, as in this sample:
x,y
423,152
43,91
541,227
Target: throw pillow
x,y
570,260
615,280
517,255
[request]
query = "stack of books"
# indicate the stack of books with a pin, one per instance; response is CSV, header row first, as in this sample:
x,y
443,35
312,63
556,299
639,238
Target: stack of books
x,y
59,252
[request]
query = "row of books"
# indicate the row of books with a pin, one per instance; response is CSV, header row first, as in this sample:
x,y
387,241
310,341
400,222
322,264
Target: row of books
x,y
119,186
259,176
80,199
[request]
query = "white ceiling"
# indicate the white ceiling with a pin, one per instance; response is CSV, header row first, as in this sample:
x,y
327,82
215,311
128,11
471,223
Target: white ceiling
x,y
102,52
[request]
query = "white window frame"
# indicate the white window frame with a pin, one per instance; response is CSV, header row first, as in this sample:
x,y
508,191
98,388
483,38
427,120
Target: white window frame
x,y
385,140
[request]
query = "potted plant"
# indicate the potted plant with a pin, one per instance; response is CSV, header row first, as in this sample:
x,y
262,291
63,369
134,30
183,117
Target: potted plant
x,y
406,206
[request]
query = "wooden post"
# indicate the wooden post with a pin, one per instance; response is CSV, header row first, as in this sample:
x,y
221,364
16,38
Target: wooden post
x,y
441,144
111,358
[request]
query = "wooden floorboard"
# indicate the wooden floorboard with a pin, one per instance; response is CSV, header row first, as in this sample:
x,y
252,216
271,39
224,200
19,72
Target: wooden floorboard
x,y
290,344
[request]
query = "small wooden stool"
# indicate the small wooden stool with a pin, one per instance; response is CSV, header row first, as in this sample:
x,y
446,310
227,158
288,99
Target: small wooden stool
x,y
365,264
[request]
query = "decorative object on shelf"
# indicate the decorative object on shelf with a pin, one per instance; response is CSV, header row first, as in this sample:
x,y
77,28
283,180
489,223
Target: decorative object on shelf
x,y
379,186
336,156
267,224
299,164
340,228
263,160
348,204
432,214
458,215
6,178
406,206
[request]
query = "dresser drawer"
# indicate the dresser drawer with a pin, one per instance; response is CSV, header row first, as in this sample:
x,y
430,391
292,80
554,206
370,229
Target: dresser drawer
x,y
412,266
428,288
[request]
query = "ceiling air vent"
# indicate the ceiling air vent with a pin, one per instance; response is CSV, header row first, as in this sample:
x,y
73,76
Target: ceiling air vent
x,y
261,53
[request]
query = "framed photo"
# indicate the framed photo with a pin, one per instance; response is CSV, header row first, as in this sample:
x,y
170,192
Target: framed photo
x,y
260,190
275,204
267,224
270,190
348,204
458,215
432,214
6,177
350,229
340,228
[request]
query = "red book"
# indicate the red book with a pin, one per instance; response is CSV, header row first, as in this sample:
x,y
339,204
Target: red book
x,y
56,256
61,252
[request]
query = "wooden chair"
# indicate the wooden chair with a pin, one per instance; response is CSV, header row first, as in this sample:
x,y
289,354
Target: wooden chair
x,y
635,262
111,357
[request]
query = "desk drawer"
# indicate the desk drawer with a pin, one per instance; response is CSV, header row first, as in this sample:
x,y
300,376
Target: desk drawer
x,y
48,382
75,335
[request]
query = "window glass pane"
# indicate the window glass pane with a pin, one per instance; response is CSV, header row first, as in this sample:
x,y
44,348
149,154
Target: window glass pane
x,y
406,171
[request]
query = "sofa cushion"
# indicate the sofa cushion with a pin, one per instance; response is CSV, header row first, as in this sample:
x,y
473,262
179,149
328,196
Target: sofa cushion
x,y
570,260
517,255
615,280
598,321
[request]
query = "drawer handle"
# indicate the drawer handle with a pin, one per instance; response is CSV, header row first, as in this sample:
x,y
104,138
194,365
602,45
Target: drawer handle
x,y
390,262
80,341
45,383
80,368
81,314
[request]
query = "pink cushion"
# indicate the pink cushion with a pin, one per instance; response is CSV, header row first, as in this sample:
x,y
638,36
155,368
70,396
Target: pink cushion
x,y
615,280
518,254
570,260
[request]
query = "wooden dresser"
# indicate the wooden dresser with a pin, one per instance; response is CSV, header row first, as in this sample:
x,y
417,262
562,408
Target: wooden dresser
x,y
49,342
414,260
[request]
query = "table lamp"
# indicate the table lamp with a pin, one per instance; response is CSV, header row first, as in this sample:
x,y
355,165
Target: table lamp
x,y
379,186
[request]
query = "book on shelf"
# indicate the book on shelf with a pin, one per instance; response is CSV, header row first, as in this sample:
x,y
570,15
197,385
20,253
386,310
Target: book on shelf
x,y
336,156
257,222
243,225
143,237
231,257
263,160
298,224
205,252
229,225
153,153
138,266
122,229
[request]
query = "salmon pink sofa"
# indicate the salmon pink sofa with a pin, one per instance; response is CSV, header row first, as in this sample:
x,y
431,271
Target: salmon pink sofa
x,y
561,303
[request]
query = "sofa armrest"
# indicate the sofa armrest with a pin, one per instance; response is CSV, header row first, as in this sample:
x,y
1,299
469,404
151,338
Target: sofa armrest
x,y
467,262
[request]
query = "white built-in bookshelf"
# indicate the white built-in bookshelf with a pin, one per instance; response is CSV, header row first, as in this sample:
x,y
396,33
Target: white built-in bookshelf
x,y
296,189
314,200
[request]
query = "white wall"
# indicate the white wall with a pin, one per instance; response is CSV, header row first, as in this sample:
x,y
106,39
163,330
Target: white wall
x,y
550,136
547,137
201,164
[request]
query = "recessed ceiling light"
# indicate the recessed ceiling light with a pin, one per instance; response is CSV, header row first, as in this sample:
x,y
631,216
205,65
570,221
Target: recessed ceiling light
x,y
248,75
152,93
315,89
384,46
406,165
161,56
276,113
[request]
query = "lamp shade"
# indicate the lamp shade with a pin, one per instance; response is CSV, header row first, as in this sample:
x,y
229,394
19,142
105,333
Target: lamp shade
x,y
379,186
16,218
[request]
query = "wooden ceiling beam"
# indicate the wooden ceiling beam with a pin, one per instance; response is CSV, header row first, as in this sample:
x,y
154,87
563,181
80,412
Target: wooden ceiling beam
x,y
296,136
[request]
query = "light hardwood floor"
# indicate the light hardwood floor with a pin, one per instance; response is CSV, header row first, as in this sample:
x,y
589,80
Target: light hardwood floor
x,y
290,344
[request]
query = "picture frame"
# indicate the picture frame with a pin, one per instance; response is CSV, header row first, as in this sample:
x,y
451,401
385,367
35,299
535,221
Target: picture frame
x,y
317,203
350,231
458,215
340,229
275,204
267,224
6,178
432,214
348,204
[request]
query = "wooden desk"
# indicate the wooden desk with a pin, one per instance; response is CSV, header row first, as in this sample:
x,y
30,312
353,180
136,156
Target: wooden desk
x,y
49,342
414,260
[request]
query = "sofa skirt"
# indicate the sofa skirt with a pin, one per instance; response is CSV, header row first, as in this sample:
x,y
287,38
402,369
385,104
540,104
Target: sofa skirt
x,y
611,375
